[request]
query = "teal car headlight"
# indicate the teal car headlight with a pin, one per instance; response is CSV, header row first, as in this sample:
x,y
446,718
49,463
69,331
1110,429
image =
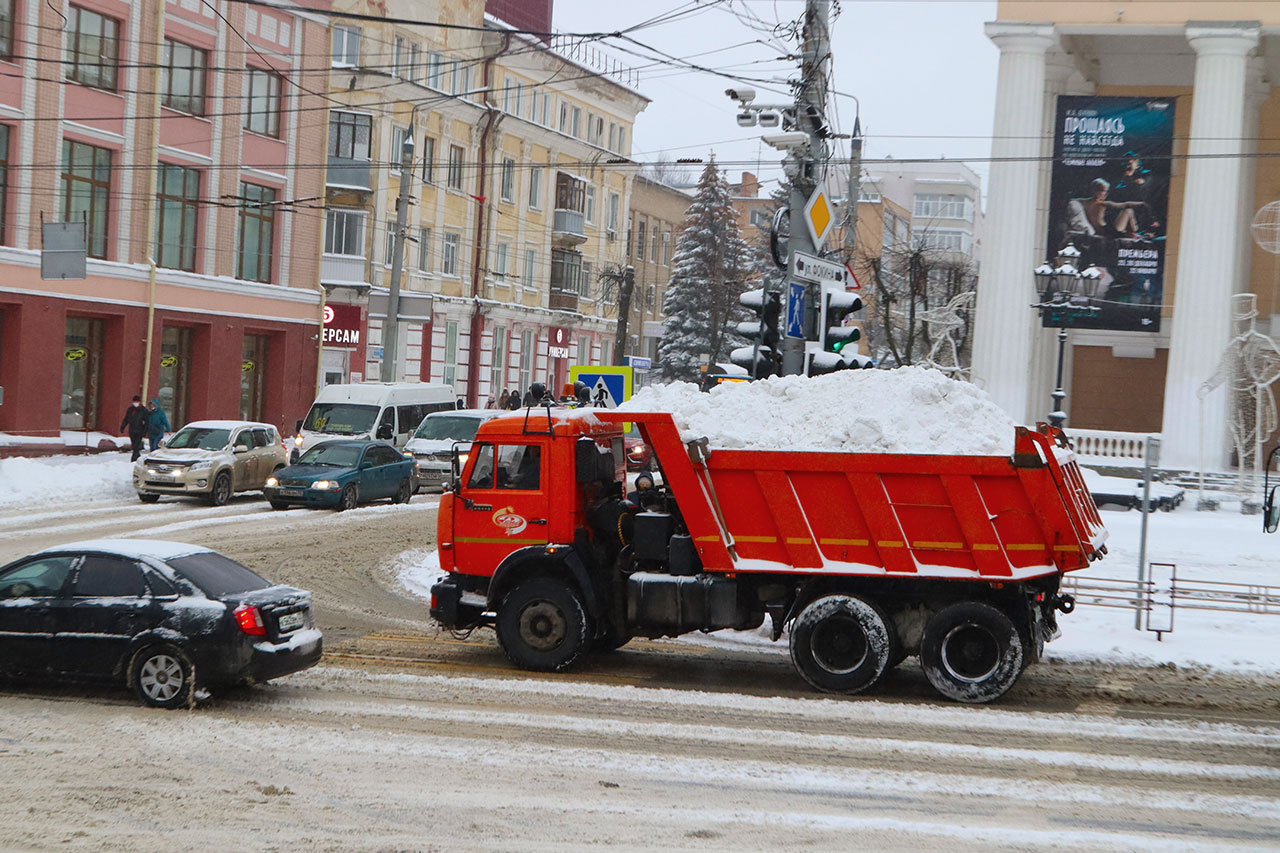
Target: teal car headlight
x,y
326,485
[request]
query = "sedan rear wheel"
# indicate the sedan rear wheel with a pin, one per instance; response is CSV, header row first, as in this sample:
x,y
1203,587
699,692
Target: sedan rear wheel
x,y
162,677
404,493
350,498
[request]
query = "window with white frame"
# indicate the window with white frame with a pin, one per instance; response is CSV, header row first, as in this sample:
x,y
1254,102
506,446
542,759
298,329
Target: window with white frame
x,y
622,144
498,378
759,217
544,111
449,368
564,117
346,46
943,206
400,58
530,268
344,232
527,356
500,254
508,179
945,240
517,104
584,286
389,243
566,271
397,143
424,249
591,127
429,159
590,211
449,253
584,350
262,103
666,248
577,123
435,71
535,189
415,62
508,90
615,205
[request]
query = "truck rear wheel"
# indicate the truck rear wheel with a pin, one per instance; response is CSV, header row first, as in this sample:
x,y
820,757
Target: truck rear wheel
x,y
841,643
542,625
971,652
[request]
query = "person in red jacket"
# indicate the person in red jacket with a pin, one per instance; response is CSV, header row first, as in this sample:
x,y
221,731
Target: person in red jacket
x,y
135,422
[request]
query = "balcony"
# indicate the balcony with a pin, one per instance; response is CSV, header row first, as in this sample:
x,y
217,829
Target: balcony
x,y
346,173
568,228
563,300
343,271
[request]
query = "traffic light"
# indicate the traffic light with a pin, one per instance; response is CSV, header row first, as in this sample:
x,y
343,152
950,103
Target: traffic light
x,y
761,357
834,338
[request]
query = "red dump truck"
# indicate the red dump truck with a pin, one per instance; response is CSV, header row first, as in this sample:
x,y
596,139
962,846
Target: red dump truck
x,y
865,557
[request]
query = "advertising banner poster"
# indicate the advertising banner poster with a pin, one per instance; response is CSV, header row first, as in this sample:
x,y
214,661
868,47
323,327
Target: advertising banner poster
x,y
1109,197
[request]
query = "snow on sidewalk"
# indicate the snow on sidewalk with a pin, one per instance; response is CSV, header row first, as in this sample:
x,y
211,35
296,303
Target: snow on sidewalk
x,y
64,479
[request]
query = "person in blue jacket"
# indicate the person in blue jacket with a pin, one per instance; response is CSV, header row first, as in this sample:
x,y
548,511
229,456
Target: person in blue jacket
x,y
157,424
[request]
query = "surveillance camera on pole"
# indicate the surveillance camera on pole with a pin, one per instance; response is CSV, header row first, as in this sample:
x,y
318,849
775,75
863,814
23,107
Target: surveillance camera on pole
x,y
792,141
747,118
770,118
742,94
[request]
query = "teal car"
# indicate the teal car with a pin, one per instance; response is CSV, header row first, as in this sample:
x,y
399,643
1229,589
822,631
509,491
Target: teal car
x,y
343,475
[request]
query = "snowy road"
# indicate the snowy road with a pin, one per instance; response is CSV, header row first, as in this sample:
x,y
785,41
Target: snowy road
x,y
358,760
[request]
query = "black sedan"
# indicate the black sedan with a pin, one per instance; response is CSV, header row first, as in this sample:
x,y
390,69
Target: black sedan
x,y
163,616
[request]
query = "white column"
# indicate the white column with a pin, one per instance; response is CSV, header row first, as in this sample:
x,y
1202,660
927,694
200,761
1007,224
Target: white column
x,y
1208,256
1002,331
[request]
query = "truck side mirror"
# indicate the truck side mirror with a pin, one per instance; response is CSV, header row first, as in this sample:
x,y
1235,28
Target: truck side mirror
x,y
586,463
1271,511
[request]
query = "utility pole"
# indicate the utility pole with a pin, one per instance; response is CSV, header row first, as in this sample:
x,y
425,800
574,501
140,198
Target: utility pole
x,y
808,160
391,323
855,190
627,287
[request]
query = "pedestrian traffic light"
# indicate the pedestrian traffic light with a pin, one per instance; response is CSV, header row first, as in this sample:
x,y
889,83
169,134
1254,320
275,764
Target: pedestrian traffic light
x,y
761,357
834,338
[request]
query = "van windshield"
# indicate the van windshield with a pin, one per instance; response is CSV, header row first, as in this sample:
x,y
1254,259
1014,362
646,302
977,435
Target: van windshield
x,y
448,427
340,418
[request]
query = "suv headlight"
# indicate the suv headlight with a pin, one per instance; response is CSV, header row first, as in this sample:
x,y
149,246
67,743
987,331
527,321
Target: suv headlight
x,y
202,466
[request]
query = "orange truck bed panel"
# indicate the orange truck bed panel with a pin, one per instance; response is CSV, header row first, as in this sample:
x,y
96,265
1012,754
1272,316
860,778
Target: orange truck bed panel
x,y
990,518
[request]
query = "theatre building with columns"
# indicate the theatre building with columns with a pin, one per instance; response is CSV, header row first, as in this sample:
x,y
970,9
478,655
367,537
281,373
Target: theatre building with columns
x,y
1213,64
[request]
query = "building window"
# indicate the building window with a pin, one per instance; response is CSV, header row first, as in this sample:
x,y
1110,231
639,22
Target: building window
x,y
455,167
666,248
400,58
527,356
640,242
253,377
424,249
584,350
615,202
178,201
346,46
622,145
570,192
577,123
262,112
349,135
92,49
508,179
759,217
6,29
461,80
389,241
564,117
535,189
4,182
586,279
566,271
450,367
182,86
945,240
590,211
499,374
628,238
501,251
397,144
449,254
530,266
435,71
415,62
344,232
86,191
429,159
943,206
653,246
257,232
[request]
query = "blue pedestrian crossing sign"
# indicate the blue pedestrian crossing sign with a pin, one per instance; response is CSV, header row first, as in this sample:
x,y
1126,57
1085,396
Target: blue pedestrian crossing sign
x,y
609,386
795,311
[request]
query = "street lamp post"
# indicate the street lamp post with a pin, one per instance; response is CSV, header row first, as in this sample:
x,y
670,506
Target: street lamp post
x,y
1065,295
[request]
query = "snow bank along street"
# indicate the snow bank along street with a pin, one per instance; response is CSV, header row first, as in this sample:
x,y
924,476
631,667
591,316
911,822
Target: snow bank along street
x,y
908,410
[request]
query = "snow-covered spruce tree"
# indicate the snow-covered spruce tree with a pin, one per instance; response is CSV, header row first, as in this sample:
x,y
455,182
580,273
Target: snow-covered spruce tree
x,y
709,272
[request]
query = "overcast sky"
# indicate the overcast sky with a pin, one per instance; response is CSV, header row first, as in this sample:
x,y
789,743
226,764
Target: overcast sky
x,y
922,69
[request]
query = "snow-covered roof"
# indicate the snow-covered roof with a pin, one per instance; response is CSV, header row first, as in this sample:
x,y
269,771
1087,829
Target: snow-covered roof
x,y
225,424
134,548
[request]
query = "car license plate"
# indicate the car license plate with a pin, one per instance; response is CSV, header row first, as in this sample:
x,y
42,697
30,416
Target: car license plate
x,y
292,621
291,493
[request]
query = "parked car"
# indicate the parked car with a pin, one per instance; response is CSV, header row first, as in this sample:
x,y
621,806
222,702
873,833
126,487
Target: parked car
x,y
212,460
432,443
639,454
163,616
385,411
343,475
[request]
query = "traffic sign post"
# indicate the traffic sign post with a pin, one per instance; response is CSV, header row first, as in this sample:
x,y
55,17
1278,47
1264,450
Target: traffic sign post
x,y
812,268
818,217
610,386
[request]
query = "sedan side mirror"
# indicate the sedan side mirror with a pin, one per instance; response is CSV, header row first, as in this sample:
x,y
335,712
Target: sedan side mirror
x,y
1271,511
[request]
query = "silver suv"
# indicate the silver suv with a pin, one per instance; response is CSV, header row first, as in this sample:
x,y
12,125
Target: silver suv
x,y
432,443
212,460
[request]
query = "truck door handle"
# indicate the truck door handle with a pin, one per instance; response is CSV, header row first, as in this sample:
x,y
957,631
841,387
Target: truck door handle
x,y
537,521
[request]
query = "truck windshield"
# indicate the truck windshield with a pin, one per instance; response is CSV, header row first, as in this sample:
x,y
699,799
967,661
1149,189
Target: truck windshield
x,y
199,438
335,455
448,427
340,418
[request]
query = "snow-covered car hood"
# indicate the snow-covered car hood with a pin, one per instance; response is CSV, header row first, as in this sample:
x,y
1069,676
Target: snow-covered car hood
x,y
185,454
430,445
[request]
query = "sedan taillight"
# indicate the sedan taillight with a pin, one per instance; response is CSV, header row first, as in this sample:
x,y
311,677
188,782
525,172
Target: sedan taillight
x,y
250,620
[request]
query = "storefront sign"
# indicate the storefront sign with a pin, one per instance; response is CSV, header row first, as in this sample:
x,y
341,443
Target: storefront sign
x,y
558,342
342,325
1109,197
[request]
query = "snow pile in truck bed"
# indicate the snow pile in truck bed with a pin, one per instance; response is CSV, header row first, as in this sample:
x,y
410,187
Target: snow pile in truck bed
x,y
908,410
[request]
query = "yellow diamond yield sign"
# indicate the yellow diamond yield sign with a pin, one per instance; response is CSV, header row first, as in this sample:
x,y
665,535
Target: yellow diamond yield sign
x,y
818,216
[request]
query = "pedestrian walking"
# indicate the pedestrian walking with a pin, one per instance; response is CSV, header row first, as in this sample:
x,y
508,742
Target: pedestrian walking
x,y
134,425
157,423
503,399
489,403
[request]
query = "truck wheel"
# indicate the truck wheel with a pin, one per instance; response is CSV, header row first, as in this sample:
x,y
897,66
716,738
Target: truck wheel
x,y
971,652
221,491
841,643
542,625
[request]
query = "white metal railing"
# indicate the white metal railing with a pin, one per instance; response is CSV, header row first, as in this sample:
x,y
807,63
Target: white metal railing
x,y
1126,448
